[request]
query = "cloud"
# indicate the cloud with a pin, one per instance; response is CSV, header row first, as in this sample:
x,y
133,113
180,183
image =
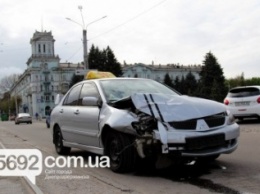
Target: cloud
x,y
179,31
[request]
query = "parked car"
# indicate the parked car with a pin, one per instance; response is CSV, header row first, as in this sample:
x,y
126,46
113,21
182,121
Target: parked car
x,y
129,119
23,118
244,102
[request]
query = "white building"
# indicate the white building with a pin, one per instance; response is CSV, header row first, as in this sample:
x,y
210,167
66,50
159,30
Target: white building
x,y
158,72
44,76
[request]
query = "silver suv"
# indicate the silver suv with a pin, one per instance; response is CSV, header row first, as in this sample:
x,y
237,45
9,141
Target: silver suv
x,y
129,119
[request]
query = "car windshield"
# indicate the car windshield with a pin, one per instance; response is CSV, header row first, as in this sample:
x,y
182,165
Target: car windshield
x,y
116,89
243,92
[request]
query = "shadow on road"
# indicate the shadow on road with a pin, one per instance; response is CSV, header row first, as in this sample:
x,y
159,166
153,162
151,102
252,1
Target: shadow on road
x,y
248,121
191,173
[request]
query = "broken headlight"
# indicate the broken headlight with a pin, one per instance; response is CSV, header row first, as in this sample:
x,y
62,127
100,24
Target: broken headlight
x,y
146,123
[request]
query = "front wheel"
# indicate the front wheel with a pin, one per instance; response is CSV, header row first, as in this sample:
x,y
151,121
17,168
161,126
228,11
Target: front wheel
x,y
121,152
58,142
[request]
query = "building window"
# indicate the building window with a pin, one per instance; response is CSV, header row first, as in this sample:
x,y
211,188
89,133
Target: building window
x,y
52,98
44,49
39,48
47,98
42,99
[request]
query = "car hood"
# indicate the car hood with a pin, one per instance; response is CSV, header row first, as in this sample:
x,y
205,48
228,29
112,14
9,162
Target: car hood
x,y
168,108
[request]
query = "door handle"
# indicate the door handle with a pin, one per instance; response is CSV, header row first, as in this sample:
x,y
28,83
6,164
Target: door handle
x,y
61,111
76,112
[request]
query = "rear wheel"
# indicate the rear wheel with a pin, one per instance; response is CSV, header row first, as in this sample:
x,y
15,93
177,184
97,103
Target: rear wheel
x,y
119,148
58,142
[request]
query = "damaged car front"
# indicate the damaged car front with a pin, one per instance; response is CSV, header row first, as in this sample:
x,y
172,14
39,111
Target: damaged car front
x,y
150,119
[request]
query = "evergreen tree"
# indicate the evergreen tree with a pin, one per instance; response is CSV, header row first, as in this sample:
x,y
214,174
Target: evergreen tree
x,y
182,88
75,79
177,84
190,84
111,63
210,74
167,80
96,58
104,60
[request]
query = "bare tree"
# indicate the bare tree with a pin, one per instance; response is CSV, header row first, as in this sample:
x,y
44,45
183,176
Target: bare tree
x,y
7,82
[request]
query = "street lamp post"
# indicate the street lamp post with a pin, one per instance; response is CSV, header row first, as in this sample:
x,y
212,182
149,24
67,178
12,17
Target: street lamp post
x,y
85,43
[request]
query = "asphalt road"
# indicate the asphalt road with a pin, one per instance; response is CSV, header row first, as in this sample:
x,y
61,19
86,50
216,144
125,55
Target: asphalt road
x,y
234,173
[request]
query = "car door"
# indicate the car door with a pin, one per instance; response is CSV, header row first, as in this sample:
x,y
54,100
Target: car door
x,y
87,117
67,114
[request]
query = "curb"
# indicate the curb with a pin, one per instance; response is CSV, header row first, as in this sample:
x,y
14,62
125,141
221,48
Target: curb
x,y
34,188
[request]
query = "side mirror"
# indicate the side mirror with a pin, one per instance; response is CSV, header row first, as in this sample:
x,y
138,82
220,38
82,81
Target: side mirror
x,y
90,101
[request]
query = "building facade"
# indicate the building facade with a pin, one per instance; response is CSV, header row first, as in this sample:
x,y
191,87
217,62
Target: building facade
x,y
43,78
158,72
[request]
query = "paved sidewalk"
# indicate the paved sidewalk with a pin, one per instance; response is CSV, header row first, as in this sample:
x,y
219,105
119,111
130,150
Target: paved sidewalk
x,y
12,185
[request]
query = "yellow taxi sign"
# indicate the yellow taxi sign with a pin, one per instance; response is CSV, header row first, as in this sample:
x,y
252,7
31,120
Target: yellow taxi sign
x,y
99,75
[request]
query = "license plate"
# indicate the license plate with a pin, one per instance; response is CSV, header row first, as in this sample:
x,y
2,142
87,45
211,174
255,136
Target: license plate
x,y
242,103
196,143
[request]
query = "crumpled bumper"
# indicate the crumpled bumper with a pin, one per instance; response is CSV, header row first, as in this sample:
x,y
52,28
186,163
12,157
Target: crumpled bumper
x,y
198,143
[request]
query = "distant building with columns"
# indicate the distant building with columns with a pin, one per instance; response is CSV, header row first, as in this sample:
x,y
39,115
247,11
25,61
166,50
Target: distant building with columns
x,y
158,72
44,76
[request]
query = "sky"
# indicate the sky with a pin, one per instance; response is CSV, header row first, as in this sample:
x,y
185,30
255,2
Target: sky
x,y
138,31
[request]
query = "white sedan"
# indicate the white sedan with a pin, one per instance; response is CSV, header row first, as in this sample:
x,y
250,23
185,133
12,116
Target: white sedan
x,y
23,118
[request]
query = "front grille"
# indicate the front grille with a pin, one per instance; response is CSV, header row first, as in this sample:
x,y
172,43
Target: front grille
x,y
197,143
215,120
188,125
212,121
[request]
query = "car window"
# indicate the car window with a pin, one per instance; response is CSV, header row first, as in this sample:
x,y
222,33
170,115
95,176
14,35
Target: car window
x,y
88,89
73,96
120,88
243,92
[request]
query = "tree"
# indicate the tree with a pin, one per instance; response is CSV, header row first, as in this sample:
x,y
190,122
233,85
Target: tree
x,y
190,84
8,103
7,82
177,84
183,88
167,80
104,60
112,64
212,75
75,79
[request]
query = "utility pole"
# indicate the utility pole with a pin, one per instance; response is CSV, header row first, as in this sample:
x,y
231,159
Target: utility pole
x,y
85,49
85,43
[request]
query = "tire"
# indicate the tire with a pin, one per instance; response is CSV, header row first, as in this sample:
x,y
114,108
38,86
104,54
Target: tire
x,y
60,149
121,153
